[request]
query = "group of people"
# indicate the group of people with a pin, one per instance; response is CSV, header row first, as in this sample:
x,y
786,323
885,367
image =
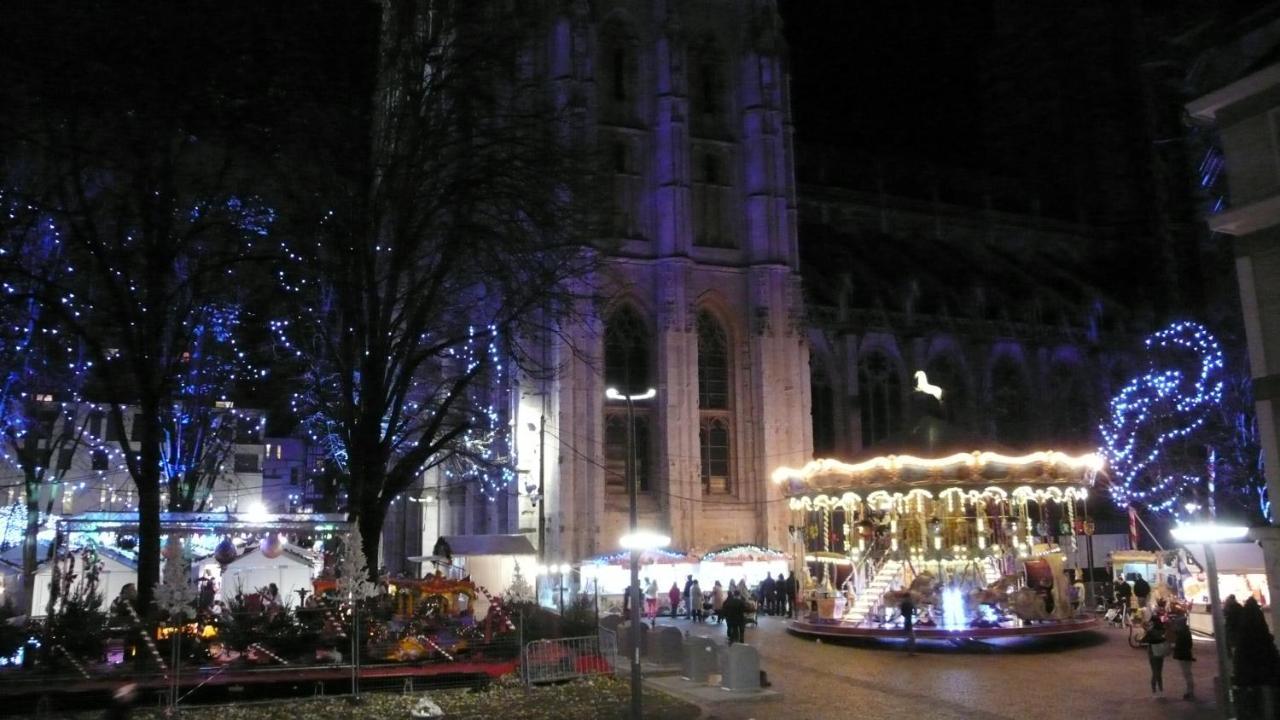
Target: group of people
x,y
1168,632
1254,658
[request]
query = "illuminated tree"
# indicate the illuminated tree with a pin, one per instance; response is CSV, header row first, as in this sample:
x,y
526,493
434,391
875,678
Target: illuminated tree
x,y
137,155
1183,432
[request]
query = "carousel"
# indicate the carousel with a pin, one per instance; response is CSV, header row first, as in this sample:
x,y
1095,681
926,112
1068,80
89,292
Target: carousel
x,y
971,538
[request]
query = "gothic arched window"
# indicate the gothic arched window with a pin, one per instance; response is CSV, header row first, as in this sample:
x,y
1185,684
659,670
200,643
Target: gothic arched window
x,y
880,394
1010,403
708,89
823,409
627,369
715,421
618,76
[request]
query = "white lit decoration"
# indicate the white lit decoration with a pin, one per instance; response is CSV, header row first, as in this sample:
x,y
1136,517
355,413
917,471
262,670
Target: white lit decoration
x,y
923,385
1156,410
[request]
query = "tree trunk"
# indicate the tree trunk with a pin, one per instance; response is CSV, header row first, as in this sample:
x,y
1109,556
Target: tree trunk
x,y
372,514
30,544
147,480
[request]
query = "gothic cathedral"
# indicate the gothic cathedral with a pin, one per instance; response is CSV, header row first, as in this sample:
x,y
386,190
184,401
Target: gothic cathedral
x,y
688,102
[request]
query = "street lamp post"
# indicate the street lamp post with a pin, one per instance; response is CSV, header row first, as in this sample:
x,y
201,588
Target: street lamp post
x,y
1208,534
634,541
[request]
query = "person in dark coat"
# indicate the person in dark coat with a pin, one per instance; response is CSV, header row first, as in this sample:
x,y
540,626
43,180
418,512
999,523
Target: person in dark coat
x,y
767,588
1142,591
443,550
1123,593
789,595
1231,619
1257,664
688,601
908,609
734,613
1182,653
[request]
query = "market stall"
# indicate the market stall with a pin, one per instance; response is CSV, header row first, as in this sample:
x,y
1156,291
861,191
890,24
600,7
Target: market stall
x,y
611,574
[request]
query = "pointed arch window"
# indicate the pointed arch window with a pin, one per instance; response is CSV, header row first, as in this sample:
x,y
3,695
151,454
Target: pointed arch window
x,y
617,77
708,89
822,409
880,397
628,369
715,427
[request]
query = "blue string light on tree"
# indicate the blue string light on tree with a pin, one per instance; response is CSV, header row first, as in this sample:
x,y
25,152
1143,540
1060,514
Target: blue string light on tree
x,y
1157,411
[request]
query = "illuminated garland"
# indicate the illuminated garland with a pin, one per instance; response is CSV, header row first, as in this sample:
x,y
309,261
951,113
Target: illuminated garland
x,y
1134,435
745,549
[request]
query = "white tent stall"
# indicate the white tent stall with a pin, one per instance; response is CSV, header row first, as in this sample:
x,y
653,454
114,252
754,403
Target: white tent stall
x,y
291,570
490,561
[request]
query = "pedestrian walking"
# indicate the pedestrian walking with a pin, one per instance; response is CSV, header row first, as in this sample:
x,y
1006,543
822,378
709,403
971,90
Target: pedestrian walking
x,y
789,595
674,596
688,588
1157,648
735,617
908,609
1182,652
694,599
651,598
717,600
1231,619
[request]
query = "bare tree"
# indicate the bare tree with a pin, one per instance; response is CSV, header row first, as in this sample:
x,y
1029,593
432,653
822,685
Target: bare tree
x,y
462,236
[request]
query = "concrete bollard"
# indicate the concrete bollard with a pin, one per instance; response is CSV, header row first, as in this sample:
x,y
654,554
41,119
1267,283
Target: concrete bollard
x,y
741,668
624,640
699,659
669,645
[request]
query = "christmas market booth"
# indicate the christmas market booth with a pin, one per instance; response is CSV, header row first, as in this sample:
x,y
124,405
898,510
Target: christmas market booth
x,y
609,575
966,539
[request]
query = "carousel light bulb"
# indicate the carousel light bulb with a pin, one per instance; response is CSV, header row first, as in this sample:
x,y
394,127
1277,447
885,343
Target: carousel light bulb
x,y
937,542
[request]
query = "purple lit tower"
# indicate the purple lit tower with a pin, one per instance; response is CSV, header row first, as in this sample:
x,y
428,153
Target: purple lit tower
x,y
688,102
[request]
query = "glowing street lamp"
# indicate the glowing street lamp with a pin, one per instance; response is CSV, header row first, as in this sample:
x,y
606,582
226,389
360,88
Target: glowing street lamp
x,y
635,540
1209,533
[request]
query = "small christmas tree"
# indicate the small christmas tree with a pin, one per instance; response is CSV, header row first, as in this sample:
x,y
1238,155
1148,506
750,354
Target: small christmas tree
x,y
519,591
353,569
174,595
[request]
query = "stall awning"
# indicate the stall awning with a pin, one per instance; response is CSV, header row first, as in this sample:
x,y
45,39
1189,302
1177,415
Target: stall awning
x,y
471,545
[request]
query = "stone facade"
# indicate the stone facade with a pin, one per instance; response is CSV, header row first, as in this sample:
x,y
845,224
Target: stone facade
x,y
688,104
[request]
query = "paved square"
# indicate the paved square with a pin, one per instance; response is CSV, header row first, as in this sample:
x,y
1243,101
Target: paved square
x,y
1094,676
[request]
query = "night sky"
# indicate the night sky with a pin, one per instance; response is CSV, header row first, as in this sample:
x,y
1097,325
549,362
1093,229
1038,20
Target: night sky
x,y
898,78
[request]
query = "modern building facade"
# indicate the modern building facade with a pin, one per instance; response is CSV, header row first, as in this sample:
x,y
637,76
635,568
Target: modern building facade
x,y
1246,113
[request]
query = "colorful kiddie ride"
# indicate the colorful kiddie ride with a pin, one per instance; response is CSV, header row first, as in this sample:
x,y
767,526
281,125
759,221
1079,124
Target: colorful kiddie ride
x,y
427,618
966,540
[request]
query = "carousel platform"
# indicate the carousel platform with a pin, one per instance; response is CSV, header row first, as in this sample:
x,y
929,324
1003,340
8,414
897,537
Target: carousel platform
x,y
819,627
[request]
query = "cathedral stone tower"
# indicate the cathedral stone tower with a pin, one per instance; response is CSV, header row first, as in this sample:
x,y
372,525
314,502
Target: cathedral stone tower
x,y
688,103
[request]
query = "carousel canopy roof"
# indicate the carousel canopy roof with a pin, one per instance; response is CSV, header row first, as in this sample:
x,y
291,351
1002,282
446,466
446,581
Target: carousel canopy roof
x,y
932,454
964,470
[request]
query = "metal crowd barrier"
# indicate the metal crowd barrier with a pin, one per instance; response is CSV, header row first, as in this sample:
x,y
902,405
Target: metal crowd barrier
x,y
543,661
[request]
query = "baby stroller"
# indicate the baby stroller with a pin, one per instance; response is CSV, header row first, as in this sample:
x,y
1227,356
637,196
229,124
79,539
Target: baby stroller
x,y
1115,616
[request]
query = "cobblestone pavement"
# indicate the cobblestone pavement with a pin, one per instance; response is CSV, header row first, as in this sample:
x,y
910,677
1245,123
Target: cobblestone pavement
x,y
1096,675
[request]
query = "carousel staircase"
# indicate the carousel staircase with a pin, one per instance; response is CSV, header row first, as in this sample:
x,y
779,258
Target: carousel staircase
x,y
889,574
990,572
